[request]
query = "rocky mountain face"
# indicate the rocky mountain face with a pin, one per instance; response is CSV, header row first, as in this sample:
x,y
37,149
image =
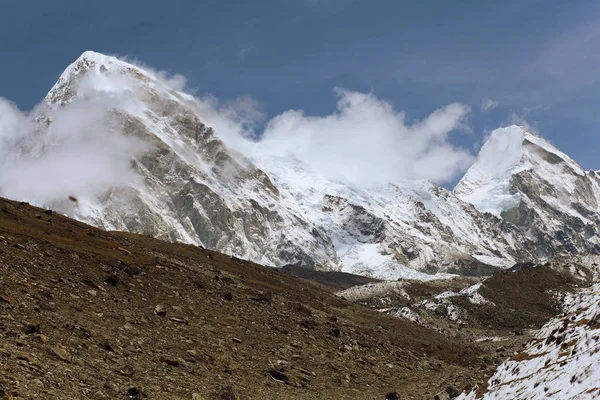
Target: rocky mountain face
x,y
523,179
276,211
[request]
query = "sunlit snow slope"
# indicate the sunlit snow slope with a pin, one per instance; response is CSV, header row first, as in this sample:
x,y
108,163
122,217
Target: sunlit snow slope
x,y
563,361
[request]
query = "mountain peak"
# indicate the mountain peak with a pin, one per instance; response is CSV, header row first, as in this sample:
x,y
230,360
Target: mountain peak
x,y
485,184
101,72
94,56
507,152
193,188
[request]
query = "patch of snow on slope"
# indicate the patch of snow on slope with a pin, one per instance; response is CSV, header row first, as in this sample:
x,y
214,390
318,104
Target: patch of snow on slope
x,y
562,362
471,293
403,312
495,261
377,289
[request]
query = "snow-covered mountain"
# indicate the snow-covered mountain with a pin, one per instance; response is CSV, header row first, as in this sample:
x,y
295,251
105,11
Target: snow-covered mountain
x,y
521,200
526,181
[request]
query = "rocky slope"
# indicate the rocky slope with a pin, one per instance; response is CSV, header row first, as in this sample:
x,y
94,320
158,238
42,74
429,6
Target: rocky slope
x,y
275,211
504,313
561,361
86,313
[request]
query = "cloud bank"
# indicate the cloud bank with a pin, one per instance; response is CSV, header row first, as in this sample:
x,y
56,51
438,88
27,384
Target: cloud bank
x,y
365,141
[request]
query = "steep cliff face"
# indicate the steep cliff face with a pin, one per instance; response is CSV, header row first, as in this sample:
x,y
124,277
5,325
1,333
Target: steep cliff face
x,y
194,188
277,211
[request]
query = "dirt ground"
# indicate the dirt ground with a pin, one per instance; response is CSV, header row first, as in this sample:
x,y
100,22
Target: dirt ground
x,y
89,314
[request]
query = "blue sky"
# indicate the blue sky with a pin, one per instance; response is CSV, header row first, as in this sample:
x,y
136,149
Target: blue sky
x,y
535,61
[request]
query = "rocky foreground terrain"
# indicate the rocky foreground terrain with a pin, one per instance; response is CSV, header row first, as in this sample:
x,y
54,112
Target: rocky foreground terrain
x,y
90,314
86,313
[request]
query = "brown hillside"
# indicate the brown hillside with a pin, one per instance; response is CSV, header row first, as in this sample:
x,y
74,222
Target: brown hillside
x,y
89,314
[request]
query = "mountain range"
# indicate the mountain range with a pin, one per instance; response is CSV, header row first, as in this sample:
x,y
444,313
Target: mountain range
x,y
522,200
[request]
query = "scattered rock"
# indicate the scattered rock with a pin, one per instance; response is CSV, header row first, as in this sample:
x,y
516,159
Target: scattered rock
x,y
441,396
172,362
106,346
392,396
228,393
192,353
37,382
278,375
345,380
335,332
112,280
133,271
228,280
4,395
41,338
48,212
160,310
263,297
111,386
60,353
124,251
5,299
30,329
452,392
134,393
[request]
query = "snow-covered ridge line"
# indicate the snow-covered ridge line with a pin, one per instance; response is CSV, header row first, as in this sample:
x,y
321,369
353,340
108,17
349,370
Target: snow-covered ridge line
x,y
278,211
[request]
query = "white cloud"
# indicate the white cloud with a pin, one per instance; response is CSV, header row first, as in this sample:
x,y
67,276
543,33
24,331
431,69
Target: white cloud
x,y
12,122
365,141
521,118
172,80
82,153
488,104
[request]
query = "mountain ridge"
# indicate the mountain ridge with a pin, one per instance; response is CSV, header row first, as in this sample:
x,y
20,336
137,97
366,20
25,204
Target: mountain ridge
x,y
275,211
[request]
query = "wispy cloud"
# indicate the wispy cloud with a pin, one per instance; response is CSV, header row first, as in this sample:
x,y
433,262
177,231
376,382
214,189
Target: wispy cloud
x,y
521,117
245,52
365,142
488,104
574,55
